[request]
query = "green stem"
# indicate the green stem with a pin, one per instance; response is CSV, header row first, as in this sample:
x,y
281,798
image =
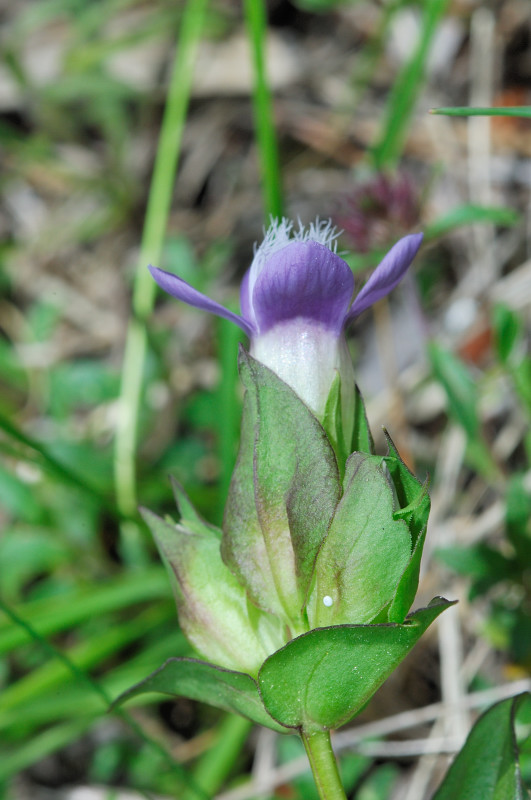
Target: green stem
x,y
157,212
256,24
324,765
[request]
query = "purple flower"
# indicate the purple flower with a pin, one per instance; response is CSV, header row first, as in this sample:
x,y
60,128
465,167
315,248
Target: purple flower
x,y
379,210
296,303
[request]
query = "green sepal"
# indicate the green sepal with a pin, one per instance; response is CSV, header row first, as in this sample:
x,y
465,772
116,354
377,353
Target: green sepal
x,y
408,584
322,679
362,440
487,766
213,607
243,547
333,423
414,502
226,689
189,517
366,551
289,471
412,495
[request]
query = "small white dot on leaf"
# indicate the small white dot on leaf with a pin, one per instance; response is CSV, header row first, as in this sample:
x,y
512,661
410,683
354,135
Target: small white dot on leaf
x,y
327,601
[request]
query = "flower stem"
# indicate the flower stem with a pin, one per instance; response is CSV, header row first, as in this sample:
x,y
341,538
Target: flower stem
x,y
324,765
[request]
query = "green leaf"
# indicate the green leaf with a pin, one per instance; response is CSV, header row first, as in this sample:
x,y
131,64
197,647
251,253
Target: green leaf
x,y
54,614
462,396
487,767
323,678
208,683
459,386
366,550
320,6
212,605
19,498
507,331
482,563
518,518
522,382
470,214
288,470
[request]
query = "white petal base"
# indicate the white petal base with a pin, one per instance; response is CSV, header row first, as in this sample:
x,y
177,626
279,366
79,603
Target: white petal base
x,y
305,355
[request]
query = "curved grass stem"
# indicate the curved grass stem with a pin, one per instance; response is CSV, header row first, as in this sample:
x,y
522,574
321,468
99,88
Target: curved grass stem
x,y
157,212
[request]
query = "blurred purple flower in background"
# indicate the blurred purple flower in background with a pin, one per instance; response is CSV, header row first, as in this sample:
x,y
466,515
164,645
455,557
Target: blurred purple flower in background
x,y
296,303
378,211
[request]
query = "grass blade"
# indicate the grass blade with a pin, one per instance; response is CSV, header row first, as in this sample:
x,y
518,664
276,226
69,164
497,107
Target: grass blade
x,y
158,208
256,23
58,741
467,111
397,118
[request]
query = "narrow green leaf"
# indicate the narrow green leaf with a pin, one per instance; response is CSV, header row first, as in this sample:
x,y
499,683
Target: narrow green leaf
x,y
522,381
217,763
366,550
462,396
469,111
16,759
459,386
98,690
487,767
55,466
470,214
406,88
60,613
323,678
85,655
49,705
518,518
296,489
507,331
208,683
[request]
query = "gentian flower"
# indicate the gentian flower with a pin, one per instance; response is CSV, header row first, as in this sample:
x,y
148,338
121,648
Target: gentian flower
x,y
296,304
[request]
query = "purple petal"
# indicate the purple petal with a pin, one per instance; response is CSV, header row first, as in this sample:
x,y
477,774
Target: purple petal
x,y
387,274
245,299
303,279
183,291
